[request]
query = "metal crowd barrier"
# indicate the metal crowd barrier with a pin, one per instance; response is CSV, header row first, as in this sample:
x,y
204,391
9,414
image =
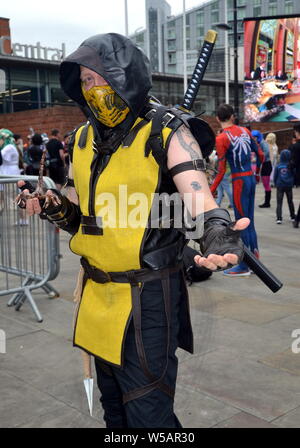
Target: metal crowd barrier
x,y
29,248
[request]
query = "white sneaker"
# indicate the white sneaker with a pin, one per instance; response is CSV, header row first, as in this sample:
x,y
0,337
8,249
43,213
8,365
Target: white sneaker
x,y
279,221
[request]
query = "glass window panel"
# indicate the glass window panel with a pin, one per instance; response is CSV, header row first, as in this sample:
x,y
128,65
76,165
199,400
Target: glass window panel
x,y
215,16
256,11
172,44
200,31
200,18
171,33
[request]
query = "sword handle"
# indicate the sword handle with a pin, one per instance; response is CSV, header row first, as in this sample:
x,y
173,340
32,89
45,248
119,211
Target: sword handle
x,y
205,53
261,271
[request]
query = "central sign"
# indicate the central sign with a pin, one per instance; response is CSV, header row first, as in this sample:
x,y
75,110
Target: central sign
x,y
32,51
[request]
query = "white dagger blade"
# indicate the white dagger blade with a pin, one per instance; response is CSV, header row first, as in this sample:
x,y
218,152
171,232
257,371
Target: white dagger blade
x,y
89,386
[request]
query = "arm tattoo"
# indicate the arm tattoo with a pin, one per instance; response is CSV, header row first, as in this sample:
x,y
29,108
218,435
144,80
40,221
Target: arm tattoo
x,y
181,135
196,186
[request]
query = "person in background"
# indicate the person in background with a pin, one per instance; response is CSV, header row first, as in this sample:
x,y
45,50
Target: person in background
x,y
284,181
271,140
19,146
234,145
55,150
225,186
260,71
9,163
295,155
66,142
34,155
266,168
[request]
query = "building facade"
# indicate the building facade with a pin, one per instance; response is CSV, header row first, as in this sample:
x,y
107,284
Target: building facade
x,y
169,38
29,77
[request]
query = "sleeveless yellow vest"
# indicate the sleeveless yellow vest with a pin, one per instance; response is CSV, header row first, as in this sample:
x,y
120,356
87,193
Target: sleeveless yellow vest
x,y
123,200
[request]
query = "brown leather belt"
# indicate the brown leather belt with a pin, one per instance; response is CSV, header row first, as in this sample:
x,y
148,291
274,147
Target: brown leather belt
x,y
134,277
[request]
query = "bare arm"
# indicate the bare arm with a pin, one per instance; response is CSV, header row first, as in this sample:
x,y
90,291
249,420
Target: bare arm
x,y
184,148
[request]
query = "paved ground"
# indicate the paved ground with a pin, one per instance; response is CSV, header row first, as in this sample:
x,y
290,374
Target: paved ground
x,y
243,372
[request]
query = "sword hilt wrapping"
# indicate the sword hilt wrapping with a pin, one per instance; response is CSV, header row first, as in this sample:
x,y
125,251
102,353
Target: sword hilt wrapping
x,y
205,53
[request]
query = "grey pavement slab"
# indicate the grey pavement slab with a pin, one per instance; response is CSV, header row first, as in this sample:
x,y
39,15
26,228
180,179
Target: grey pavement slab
x,y
21,402
42,359
244,420
63,417
289,420
197,410
240,307
57,314
286,361
227,375
13,327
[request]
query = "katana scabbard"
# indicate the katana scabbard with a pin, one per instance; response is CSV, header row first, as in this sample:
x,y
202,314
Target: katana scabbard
x,y
197,76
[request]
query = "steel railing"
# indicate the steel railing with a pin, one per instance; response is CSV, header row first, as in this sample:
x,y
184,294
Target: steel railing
x,y
29,248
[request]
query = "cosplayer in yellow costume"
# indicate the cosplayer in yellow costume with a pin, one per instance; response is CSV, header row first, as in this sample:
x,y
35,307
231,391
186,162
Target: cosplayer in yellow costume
x,y
134,312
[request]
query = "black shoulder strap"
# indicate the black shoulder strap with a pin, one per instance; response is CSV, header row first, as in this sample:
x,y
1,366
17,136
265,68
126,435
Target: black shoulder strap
x,y
155,144
72,140
133,133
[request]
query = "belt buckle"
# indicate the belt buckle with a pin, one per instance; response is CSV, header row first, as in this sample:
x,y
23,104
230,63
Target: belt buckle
x,y
108,276
149,114
171,117
199,164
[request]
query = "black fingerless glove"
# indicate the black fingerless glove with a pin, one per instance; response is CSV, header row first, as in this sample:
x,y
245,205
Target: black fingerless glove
x,y
66,215
218,237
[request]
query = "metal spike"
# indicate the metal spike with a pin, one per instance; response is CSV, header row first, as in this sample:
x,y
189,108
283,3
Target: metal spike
x,y
89,387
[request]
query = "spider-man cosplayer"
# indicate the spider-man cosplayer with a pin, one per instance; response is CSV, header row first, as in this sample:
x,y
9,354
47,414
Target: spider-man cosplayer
x,y
234,145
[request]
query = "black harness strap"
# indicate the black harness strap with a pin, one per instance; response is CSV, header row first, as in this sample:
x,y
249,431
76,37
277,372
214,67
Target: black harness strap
x,y
90,226
133,133
155,143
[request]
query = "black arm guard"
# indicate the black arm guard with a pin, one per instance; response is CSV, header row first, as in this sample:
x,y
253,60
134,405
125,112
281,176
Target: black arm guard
x,y
218,237
66,216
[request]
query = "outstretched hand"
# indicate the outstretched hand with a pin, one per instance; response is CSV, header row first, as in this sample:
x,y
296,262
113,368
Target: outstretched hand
x,y
32,203
214,261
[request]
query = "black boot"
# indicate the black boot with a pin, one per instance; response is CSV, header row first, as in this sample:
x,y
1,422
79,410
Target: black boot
x,y
266,204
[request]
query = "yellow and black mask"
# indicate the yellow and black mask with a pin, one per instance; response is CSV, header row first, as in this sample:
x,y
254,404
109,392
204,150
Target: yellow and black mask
x,y
106,105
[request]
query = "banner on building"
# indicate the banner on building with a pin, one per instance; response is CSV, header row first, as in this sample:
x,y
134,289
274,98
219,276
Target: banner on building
x,y
272,69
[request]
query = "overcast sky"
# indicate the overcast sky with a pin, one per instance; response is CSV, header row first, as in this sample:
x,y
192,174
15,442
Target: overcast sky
x,y
52,22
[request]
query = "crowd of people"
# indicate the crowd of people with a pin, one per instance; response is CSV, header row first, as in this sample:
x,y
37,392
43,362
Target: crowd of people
x,y
18,157
278,170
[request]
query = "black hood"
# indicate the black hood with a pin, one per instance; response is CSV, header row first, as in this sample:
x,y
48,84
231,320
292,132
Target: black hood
x,y
118,60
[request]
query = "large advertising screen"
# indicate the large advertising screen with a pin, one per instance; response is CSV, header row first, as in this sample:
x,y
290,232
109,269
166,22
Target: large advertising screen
x,y
272,69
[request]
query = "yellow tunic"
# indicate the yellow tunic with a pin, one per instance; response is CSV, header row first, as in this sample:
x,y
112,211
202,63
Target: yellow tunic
x,y
125,189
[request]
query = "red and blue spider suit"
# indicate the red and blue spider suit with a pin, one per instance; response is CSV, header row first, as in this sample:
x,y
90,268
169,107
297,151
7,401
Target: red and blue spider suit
x,y
234,145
